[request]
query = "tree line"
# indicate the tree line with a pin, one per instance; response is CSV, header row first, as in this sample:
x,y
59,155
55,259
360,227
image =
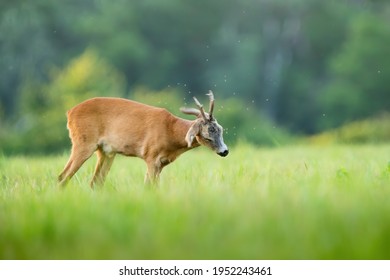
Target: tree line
x,y
302,66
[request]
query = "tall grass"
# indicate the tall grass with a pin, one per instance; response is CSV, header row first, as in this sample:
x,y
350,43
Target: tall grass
x,y
284,203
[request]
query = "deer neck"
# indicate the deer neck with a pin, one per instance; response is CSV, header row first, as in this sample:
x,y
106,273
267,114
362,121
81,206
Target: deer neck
x,y
180,129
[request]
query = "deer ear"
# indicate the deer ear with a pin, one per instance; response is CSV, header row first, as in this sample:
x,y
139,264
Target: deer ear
x,y
192,132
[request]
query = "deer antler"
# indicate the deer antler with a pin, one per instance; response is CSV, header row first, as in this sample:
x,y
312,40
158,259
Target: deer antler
x,y
200,106
211,108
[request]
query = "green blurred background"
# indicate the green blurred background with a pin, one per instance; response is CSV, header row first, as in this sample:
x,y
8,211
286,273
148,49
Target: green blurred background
x,y
280,69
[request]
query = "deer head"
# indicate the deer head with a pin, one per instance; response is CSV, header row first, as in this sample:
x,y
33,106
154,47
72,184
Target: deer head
x,y
205,128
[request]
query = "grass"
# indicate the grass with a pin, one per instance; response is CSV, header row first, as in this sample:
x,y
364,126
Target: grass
x,y
285,203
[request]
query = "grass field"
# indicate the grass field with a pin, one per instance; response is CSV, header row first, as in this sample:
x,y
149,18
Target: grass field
x,y
284,203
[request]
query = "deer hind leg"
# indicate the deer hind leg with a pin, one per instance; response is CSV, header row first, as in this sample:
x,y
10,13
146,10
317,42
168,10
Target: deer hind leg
x,y
103,165
61,177
78,156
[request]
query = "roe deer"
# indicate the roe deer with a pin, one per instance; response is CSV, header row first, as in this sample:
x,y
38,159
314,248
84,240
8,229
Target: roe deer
x,y
110,126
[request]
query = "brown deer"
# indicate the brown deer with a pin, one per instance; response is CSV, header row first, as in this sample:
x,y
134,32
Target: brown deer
x,y
110,126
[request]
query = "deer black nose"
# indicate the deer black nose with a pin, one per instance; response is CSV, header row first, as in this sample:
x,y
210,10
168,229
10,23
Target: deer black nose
x,y
224,153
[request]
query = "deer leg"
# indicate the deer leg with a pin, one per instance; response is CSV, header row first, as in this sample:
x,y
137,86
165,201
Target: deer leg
x,y
103,165
63,173
153,173
77,158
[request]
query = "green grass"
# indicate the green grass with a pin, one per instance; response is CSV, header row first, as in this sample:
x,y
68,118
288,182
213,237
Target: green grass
x,y
285,203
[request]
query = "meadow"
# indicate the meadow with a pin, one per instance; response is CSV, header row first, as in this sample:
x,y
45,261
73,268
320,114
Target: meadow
x,y
297,202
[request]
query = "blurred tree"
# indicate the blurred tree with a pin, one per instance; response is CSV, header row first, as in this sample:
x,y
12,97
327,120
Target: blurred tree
x,y
243,122
320,27
41,126
168,98
156,43
359,86
33,35
297,60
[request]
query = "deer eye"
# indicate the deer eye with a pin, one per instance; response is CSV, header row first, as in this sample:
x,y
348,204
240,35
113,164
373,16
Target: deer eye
x,y
209,139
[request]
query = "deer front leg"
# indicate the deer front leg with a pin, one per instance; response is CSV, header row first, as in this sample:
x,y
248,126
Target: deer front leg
x,y
102,167
153,173
155,166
